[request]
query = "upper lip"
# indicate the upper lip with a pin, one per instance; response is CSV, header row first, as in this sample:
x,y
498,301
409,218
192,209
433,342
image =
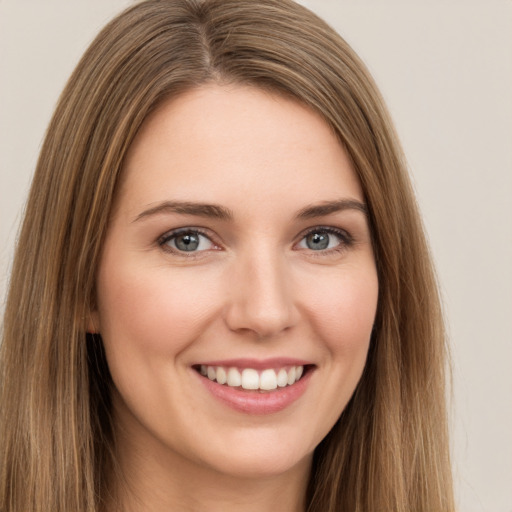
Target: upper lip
x,y
257,364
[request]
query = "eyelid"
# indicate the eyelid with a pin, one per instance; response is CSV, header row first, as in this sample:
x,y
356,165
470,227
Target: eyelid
x,y
173,233
346,239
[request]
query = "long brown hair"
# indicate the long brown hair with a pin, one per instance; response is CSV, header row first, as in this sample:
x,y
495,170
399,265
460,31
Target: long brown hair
x,y
389,449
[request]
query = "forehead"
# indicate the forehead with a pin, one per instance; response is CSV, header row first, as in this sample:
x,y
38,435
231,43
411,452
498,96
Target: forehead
x,y
222,142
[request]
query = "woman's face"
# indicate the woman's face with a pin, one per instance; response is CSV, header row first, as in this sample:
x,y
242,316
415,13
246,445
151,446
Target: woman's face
x,y
238,257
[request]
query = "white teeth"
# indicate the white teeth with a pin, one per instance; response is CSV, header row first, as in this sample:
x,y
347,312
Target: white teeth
x,y
251,379
282,378
234,378
291,375
268,380
221,375
211,373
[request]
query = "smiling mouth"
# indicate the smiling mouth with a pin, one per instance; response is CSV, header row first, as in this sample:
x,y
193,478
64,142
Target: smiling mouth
x,y
250,379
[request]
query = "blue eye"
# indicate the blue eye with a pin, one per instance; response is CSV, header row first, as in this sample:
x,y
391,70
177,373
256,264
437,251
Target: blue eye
x,y
324,239
186,241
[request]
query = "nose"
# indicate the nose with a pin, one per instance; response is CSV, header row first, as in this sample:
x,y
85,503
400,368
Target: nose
x,y
260,296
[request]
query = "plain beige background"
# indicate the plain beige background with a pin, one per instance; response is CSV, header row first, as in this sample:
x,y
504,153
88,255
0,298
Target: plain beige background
x,y
445,69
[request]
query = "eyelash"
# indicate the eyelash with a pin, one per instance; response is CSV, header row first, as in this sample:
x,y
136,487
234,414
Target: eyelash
x,y
345,240
171,235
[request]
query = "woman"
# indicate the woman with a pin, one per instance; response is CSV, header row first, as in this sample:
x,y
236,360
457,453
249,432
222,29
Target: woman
x,y
222,295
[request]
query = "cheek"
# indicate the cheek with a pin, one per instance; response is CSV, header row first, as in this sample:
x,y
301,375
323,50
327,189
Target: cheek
x,y
343,312
153,310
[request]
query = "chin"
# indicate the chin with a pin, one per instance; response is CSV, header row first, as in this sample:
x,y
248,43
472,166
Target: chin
x,y
261,454
263,465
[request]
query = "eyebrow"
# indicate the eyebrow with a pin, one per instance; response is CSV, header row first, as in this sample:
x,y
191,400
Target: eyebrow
x,y
329,207
187,208
220,212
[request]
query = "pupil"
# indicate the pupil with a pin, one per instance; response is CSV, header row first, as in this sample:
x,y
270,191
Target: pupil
x,y
188,242
317,241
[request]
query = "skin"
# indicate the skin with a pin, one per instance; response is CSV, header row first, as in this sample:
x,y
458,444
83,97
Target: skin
x,y
254,289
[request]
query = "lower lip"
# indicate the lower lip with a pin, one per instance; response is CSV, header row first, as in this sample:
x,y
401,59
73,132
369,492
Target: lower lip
x,y
254,402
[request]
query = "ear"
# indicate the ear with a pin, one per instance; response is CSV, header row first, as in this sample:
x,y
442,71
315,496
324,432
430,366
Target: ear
x,y
93,322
